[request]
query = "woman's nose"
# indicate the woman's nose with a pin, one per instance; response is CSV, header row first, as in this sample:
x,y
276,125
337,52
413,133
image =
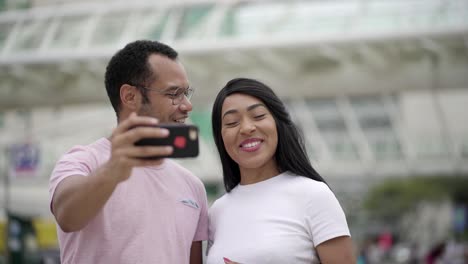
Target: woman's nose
x,y
247,127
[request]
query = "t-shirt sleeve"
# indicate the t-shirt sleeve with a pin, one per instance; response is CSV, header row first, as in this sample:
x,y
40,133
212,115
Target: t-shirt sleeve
x,y
78,161
325,218
212,217
202,229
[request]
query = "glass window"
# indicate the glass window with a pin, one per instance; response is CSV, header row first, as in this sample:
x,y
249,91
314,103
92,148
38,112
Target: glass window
x,y
431,148
464,148
371,113
367,104
151,24
327,116
325,107
331,125
252,19
228,24
385,148
455,13
341,147
194,21
317,17
30,34
110,28
5,29
69,32
313,151
375,123
380,15
311,147
19,4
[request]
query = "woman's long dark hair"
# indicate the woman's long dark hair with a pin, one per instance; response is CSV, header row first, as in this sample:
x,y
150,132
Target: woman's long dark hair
x,y
290,153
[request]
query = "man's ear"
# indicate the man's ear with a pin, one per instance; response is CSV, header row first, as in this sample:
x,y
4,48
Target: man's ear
x,y
130,97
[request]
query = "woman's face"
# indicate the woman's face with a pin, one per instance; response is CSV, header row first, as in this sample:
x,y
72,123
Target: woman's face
x,y
249,132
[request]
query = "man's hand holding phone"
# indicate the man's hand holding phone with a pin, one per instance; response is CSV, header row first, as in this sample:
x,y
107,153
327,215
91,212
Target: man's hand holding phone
x,y
125,154
183,139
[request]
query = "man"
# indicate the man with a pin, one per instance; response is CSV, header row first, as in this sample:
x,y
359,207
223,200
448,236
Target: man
x,y
112,206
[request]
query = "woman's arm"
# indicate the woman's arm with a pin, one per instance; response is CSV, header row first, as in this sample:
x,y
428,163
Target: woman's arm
x,y
338,250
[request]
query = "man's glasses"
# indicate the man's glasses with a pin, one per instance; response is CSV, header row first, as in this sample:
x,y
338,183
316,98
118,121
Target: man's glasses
x,y
177,95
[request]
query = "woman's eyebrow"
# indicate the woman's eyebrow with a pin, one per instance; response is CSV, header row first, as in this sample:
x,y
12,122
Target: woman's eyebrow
x,y
233,111
250,108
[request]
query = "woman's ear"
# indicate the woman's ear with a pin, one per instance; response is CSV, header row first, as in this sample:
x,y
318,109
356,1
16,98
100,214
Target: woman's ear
x,y
130,97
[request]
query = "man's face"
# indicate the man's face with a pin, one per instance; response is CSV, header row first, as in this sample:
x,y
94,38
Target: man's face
x,y
171,76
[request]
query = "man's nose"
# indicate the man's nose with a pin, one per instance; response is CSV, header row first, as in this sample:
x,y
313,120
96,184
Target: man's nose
x,y
185,105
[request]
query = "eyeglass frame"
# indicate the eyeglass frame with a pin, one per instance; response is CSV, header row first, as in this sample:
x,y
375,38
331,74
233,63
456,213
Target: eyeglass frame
x,y
188,93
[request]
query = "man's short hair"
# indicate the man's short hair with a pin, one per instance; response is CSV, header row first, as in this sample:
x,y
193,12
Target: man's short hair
x,y
130,66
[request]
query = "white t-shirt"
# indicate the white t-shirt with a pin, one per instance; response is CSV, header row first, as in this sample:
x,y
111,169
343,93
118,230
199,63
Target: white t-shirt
x,y
279,220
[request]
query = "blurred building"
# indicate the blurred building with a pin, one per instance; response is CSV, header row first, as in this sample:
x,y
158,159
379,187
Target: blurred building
x,y
378,87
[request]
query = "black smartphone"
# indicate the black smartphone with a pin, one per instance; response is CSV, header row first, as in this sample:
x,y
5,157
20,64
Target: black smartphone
x,y
183,138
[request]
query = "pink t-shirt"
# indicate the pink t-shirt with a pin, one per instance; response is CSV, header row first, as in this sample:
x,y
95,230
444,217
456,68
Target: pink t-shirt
x,y
153,217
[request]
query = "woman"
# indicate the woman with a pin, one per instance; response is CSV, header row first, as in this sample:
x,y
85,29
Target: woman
x,y
277,208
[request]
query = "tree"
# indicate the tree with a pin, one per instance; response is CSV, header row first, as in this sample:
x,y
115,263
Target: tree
x,y
395,197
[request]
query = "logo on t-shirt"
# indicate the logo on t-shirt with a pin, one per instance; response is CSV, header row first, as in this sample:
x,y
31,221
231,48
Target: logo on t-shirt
x,y
190,203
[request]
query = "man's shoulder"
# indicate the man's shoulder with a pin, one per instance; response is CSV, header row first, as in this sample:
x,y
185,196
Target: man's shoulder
x,y
94,149
99,144
102,144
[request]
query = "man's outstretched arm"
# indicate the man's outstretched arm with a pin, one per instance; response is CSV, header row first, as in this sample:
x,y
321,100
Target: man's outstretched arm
x,y
77,199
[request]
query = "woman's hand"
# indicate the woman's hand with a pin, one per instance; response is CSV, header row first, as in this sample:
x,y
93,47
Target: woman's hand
x,y
228,261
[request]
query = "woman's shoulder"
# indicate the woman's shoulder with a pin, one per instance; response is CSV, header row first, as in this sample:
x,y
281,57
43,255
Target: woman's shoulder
x,y
218,204
304,182
308,188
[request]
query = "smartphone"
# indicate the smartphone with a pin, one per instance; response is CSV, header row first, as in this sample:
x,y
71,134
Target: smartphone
x,y
183,138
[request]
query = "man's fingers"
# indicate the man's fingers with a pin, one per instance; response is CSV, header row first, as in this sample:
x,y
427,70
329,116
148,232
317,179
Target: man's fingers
x,y
138,162
134,156
138,133
132,121
145,162
131,130
147,151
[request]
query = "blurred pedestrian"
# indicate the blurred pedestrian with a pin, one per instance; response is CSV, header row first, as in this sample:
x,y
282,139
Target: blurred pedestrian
x,y
435,253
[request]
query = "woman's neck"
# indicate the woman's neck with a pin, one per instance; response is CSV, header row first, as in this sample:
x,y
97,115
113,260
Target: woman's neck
x,y
254,175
